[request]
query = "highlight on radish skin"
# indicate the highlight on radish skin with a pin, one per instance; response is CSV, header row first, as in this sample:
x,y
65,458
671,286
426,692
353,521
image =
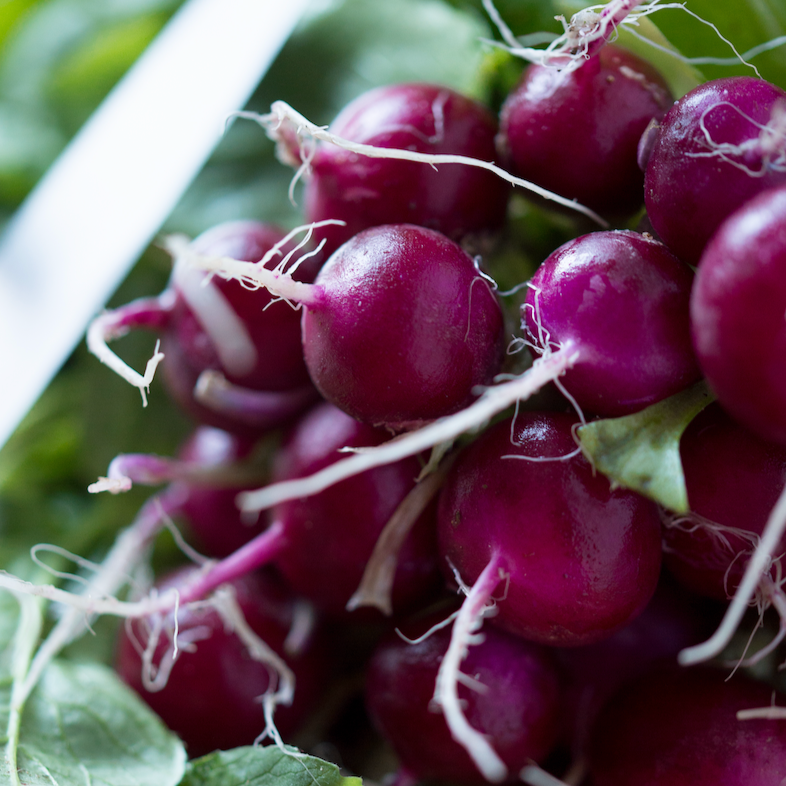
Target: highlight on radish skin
x,y
719,146
598,112
399,327
583,559
622,299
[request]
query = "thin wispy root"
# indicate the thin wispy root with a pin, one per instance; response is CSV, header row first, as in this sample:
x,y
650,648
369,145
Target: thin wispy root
x,y
757,568
492,401
283,124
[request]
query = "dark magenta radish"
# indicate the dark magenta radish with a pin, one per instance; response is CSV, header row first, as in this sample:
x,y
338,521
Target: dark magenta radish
x,y
622,300
211,467
678,727
330,536
719,146
516,702
673,619
233,357
322,543
733,478
737,309
208,689
399,327
574,559
576,132
364,192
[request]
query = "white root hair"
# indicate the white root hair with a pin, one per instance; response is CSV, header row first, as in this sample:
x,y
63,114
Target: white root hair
x,y
283,123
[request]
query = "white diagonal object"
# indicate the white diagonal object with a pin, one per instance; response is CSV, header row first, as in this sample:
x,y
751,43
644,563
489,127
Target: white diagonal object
x,y
78,233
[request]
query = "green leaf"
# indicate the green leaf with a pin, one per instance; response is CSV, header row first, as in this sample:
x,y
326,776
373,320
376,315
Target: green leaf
x,y
269,766
83,726
642,451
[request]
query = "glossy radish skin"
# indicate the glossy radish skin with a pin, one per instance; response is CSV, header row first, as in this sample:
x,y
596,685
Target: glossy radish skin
x,y
274,331
678,727
576,132
518,708
737,310
622,299
329,537
583,559
209,699
456,200
733,478
402,327
711,155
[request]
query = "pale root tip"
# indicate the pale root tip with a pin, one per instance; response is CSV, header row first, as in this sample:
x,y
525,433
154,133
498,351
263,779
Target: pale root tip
x,y
112,485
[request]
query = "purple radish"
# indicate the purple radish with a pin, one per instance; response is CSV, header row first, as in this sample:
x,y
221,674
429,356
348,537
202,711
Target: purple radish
x,y
608,313
205,679
719,146
329,537
540,542
514,699
233,358
321,544
399,327
621,299
366,192
672,620
581,559
576,132
679,727
211,468
734,479
737,311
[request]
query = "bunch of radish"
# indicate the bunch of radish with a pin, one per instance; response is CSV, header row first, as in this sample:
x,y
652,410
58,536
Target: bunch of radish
x,y
369,436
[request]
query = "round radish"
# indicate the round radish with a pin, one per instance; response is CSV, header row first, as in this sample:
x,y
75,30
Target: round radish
x,y
622,299
233,357
733,479
329,537
399,327
580,559
576,132
680,728
199,677
719,146
365,192
737,309
515,702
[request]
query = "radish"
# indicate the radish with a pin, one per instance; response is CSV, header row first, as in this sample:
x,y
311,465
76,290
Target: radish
x,y
365,192
717,147
673,619
234,358
679,727
549,549
737,311
205,671
598,113
399,327
212,466
621,299
512,695
582,560
734,479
